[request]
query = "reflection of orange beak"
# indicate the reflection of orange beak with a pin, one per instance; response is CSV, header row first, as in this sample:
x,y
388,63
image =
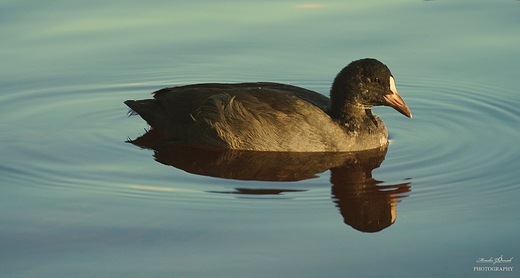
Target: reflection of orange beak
x,y
395,100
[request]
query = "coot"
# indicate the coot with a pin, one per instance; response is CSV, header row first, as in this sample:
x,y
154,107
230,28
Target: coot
x,y
265,116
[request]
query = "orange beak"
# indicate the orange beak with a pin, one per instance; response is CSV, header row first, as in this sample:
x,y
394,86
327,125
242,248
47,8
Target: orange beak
x,y
395,100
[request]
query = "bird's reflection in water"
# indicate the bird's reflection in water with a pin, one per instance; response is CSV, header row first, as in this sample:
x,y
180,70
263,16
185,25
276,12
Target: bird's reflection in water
x,y
364,205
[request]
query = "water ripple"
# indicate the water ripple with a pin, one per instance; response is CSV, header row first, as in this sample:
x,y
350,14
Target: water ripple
x,y
461,141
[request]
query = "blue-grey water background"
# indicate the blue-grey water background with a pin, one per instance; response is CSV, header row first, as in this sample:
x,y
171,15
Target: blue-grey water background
x,y
77,201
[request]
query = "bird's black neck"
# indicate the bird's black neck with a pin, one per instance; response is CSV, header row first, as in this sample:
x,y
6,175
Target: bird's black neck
x,y
356,118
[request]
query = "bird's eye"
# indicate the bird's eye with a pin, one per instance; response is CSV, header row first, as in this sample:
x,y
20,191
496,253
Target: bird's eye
x,y
374,80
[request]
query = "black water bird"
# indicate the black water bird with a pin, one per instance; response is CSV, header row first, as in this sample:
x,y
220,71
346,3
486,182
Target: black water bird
x,y
265,116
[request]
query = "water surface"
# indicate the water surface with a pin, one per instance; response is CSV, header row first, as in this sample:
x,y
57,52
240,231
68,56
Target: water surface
x,y
77,200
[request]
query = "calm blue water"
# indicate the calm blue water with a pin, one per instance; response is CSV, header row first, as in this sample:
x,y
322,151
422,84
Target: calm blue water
x,y
77,201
